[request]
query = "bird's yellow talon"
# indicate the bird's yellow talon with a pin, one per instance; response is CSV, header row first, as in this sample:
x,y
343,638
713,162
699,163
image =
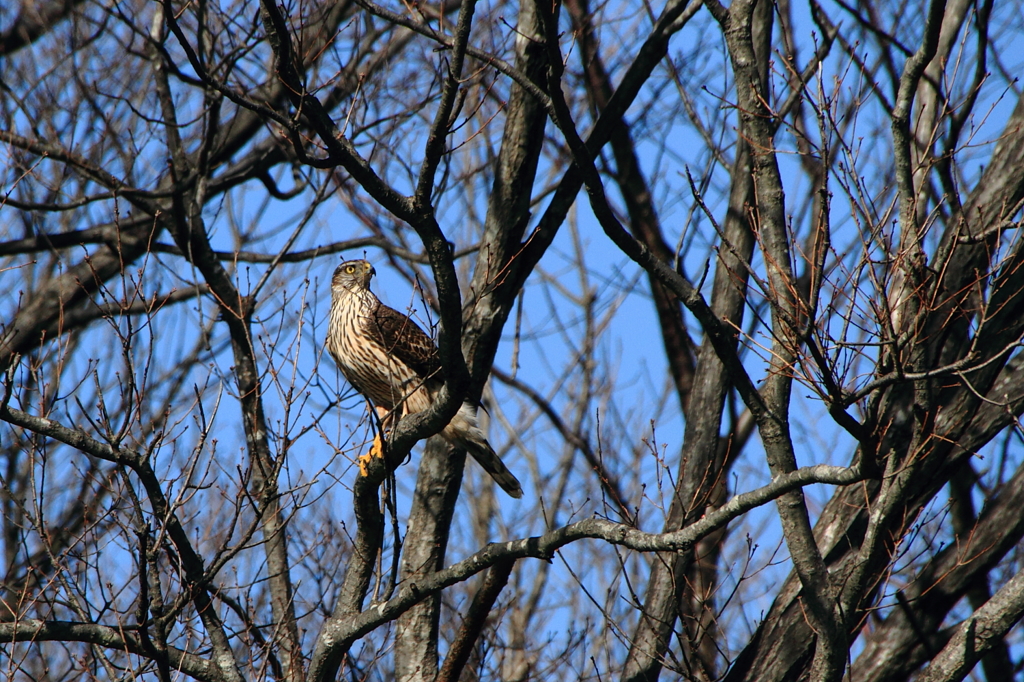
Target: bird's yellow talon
x,y
376,451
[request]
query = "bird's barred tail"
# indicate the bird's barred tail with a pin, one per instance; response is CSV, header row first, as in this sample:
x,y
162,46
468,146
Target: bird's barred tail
x,y
489,460
465,432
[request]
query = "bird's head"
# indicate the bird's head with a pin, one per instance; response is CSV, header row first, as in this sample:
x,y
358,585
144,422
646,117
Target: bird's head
x,y
352,276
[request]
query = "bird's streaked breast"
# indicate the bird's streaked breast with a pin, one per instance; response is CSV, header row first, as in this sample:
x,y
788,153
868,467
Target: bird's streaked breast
x,y
365,363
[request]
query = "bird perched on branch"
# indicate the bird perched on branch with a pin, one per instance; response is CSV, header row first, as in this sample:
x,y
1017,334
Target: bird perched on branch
x,y
391,361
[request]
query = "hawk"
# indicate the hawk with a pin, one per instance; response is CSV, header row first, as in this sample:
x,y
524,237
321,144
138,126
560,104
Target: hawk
x,y
393,363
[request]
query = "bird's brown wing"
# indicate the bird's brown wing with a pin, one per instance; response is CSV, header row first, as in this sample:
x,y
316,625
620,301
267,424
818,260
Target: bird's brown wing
x,y
405,341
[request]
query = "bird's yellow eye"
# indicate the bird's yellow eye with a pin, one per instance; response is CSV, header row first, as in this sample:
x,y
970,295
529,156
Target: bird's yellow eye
x,y
349,269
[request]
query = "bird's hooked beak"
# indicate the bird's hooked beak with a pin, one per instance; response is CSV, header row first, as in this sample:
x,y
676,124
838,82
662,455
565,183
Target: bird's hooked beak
x,y
368,273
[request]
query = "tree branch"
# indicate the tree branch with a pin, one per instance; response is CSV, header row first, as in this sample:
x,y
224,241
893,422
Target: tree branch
x,y
338,635
984,629
117,638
